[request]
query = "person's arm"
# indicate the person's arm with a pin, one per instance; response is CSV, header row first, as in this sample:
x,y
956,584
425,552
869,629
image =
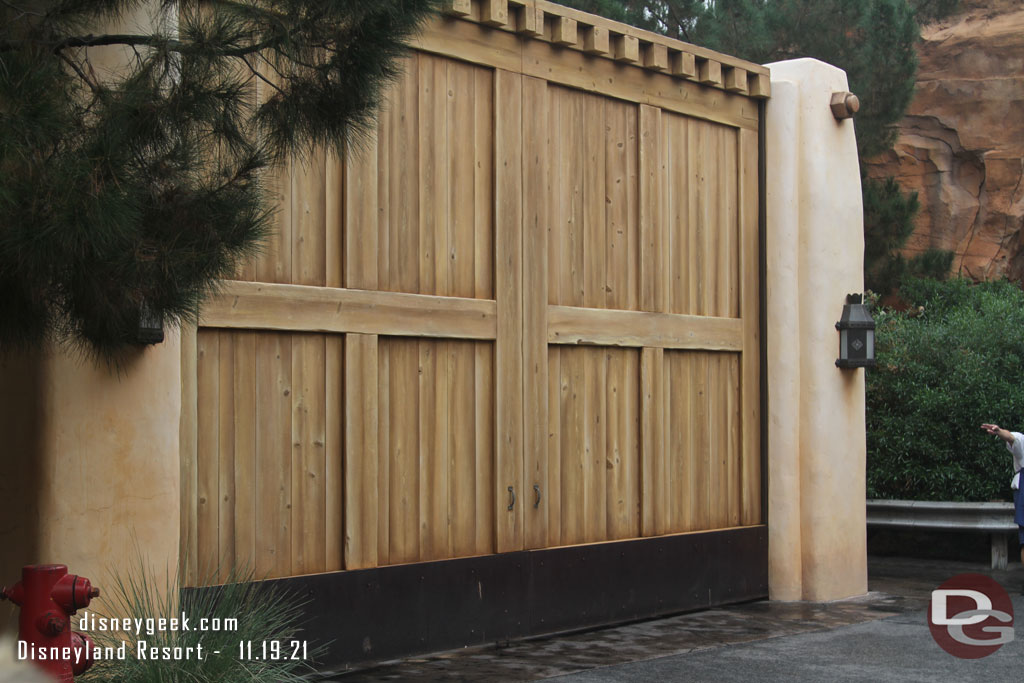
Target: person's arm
x,y
997,431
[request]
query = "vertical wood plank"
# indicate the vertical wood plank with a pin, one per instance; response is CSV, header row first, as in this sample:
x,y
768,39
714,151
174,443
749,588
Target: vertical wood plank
x,y
309,220
552,494
384,452
460,177
536,218
557,236
699,485
404,439
461,125
617,208
385,133
735,425
361,211
485,419
681,225
433,157
367,253
275,263
188,428
273,454
573,455
334,453
697,212
226,456
653,471
714,256
653,249
508,280
729,260
246,269
244,380
207,470
483,185
618,456
361,450
595,435
718,442
572,110
633,210
308,462
433,430
484,259
630,432
483,287
334,219
435,274
750,399
462,494
403,184
595,238
683,475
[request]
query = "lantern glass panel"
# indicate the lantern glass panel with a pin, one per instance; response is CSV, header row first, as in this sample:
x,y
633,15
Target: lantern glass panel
x,y
858,344
844,348
871,345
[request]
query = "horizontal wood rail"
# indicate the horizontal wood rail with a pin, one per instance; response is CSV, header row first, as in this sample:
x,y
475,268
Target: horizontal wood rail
x,y
264,306
572,325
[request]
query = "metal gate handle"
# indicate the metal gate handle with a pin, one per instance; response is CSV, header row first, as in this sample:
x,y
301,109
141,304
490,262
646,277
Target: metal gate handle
x,y
536,489
513,492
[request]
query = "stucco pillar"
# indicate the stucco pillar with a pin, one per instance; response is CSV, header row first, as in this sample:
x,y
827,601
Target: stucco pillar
x,y
815,249
90,455
92,459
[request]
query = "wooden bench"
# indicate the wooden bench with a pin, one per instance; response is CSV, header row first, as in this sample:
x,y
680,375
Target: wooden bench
x,y
995,519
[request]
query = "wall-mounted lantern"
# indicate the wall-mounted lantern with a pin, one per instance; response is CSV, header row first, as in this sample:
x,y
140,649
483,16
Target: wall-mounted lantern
x,y
151,326
856,335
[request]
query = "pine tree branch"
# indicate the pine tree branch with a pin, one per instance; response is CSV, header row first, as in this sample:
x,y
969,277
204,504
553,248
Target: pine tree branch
x,y
95,87
260,76
270,64
144,41
23,12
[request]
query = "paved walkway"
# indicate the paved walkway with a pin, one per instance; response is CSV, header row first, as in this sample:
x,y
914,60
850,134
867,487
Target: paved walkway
x,y
882,636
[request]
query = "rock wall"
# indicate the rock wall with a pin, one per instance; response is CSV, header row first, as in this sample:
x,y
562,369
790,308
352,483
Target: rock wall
x,y
961,145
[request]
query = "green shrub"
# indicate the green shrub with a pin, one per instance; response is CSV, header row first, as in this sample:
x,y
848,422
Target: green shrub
x,y
953,360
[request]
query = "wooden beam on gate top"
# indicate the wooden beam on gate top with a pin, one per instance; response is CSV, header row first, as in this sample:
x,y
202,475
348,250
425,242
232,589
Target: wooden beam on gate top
x,y
298,308
602,327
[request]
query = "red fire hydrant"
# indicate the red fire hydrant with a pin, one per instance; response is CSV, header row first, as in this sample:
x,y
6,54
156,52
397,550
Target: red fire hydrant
x,y
48,596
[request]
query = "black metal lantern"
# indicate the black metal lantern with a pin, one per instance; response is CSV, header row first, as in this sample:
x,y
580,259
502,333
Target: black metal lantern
x,y
856,335
151,326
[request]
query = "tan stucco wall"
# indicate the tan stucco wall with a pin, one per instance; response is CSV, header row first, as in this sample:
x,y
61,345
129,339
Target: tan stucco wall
x,y
815,247
92,459
89,456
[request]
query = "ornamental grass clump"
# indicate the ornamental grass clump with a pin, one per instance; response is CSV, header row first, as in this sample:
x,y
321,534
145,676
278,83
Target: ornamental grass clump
x,y
263,614
950,362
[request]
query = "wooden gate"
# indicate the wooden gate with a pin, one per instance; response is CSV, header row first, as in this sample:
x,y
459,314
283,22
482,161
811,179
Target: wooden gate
x,y
524,315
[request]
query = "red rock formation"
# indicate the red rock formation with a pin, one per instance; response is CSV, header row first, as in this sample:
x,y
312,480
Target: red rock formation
x,y
961,145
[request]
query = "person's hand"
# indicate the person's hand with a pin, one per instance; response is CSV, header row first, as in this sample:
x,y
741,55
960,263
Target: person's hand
x,y
991,429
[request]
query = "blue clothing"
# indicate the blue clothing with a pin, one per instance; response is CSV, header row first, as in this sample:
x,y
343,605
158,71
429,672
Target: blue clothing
x,y
1018,513
1016,448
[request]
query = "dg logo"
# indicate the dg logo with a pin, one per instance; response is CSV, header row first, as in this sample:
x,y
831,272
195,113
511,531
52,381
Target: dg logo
x,y
970,616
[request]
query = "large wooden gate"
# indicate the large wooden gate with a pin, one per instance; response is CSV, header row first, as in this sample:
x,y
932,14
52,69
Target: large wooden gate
x,y
524,315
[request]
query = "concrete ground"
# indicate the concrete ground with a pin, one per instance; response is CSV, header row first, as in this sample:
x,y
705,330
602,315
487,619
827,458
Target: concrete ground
x,y
882,636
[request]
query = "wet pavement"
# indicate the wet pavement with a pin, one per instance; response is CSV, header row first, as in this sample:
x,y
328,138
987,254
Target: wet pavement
x,y
879,636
